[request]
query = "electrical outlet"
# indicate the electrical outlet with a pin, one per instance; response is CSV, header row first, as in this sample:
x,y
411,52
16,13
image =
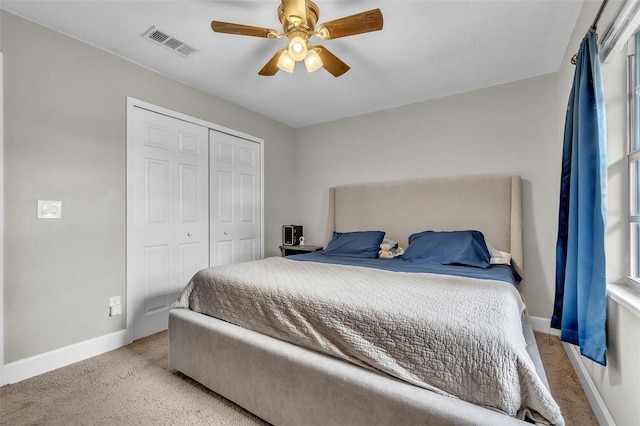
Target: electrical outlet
x,y
114,300
115,310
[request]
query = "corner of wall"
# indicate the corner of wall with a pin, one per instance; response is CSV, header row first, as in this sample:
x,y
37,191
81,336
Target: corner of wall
x,y
1,219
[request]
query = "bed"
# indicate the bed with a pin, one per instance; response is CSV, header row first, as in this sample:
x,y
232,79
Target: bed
x,y
342,363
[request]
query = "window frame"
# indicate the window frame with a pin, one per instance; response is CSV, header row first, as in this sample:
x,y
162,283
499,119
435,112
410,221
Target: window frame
x,y
633,163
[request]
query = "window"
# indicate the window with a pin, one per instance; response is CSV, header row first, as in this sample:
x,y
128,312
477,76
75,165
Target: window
x,y
633,159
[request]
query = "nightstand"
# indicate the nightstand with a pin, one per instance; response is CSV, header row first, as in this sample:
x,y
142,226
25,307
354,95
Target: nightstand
x,y
289,250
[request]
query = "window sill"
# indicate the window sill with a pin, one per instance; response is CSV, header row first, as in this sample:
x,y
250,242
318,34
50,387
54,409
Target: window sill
x,y
626,296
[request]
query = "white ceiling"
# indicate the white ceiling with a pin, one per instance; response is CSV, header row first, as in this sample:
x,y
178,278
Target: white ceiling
x,y
427,49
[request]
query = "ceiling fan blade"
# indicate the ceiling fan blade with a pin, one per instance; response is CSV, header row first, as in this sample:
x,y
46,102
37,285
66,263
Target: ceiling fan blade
x,y
239,29
350,25
295,8
331,62
271,67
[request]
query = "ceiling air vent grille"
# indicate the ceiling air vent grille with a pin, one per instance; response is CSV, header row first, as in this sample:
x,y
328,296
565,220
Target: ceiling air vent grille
x,y
166,39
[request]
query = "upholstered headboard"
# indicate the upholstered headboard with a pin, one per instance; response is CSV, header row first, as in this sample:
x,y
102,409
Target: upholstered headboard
x,y
490,204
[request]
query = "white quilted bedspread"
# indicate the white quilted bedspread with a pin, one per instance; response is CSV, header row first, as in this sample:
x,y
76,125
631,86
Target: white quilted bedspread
x,y
460,337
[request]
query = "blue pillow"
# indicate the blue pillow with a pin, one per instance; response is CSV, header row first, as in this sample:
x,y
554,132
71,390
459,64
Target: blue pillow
x,y
466,248
355,244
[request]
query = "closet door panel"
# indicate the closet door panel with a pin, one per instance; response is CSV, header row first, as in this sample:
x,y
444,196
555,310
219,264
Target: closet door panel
x,y
235,221
169,233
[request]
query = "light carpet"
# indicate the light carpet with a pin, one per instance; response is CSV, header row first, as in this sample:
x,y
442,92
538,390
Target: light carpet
x,y
133,385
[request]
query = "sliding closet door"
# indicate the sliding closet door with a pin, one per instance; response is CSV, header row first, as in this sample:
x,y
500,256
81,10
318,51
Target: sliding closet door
x,y
169,241
235,190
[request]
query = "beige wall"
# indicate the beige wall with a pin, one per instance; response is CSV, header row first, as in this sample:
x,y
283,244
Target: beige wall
x,y
619,382
511,128
65,110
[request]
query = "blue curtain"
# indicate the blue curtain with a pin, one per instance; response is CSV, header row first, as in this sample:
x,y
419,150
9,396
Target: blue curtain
x,y
580,308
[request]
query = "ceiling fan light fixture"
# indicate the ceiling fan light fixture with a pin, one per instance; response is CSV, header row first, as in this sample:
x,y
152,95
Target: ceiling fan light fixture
x,y
313,61
298,48
299,19
285,63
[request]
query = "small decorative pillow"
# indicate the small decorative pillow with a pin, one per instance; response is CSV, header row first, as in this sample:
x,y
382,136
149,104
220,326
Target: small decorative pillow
x,y
386,252
355,244
466,248
498,257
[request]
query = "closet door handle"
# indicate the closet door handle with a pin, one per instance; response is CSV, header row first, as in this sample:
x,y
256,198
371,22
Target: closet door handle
x,y
188,234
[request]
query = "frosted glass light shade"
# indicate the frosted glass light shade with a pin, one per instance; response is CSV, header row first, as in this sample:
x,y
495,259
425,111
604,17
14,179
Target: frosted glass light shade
x,y
285,63
312,61
297,48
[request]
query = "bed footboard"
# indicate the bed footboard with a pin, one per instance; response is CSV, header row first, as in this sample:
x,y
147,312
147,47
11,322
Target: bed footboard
x,y
288,385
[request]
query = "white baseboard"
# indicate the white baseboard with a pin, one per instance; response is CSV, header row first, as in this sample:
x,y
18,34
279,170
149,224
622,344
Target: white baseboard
x,y
543,325
590,390
573,353
25,368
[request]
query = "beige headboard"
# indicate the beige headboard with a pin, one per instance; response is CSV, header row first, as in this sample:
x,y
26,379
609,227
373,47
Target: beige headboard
x,y
490,204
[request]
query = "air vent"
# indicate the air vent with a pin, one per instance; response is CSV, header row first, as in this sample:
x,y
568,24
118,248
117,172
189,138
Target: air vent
x,y
166,39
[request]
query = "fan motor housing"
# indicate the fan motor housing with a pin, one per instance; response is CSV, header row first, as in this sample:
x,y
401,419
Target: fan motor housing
x,y
288,22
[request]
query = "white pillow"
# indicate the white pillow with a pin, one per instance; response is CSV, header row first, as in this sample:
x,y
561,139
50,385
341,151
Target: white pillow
x,y
498,257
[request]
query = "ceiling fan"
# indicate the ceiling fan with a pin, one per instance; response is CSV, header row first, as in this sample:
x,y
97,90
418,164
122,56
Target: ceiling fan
x,y
298,19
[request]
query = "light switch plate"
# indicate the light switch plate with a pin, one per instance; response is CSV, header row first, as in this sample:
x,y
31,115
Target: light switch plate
x,y
49,209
